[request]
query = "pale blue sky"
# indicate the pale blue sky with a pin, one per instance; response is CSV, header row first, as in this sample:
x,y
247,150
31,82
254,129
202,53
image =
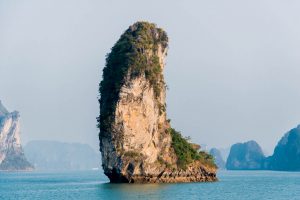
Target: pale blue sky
x,y
232,68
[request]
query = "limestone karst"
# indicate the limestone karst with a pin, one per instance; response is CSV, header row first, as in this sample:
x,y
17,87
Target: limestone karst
x,y
137,142
286,156
245,156
11,153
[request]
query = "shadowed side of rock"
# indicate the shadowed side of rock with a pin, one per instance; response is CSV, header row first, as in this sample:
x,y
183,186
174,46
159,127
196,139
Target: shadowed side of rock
x,y
245,156
286,156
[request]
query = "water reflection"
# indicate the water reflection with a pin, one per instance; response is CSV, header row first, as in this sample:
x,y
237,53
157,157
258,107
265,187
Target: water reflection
x,y
134,191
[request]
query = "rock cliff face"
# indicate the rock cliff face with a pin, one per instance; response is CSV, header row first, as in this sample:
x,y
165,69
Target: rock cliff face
x,y
286,155
11,152
245,156
136,140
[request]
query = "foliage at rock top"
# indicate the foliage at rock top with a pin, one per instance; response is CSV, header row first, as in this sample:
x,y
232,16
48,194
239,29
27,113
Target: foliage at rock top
x,y
137,143
134,54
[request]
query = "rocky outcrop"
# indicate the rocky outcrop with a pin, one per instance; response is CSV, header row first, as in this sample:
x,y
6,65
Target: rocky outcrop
x,y
286,155
136,141
218,158
54,155
11,153
245,156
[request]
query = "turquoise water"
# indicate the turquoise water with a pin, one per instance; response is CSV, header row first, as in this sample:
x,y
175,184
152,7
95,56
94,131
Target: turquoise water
x,y
93,185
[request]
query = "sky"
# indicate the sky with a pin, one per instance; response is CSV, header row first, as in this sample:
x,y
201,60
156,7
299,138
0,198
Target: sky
x,y
233,66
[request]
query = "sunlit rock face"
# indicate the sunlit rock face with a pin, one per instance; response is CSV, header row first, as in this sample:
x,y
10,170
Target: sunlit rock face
x,y
11,153
134,139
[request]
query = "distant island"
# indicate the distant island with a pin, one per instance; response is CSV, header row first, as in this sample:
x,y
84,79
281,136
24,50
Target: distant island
x,y
249,156
245,156
54,155
137,142
12,156
286,156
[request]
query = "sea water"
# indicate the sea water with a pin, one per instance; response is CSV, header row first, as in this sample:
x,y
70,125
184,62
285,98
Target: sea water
x,y
91,185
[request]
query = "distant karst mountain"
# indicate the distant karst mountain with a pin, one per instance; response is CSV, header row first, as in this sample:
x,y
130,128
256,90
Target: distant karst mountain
x,y
137,142
245,156
286,156
224,152
11,153
218,158
249,155
53,155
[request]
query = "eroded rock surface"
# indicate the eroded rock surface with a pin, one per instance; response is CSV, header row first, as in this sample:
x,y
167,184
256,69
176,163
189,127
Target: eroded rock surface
x,y
11,153
135,138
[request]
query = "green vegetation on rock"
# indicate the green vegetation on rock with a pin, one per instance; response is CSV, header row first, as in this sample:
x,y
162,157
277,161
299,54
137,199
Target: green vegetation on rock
x,y
134,54
185,152
138,56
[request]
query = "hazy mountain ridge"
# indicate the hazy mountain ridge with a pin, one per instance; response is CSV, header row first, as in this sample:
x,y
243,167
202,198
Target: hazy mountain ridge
x,y
216,153
54,155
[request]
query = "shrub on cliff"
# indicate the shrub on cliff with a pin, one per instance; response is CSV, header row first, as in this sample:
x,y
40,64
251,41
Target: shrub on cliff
x,y
185,152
